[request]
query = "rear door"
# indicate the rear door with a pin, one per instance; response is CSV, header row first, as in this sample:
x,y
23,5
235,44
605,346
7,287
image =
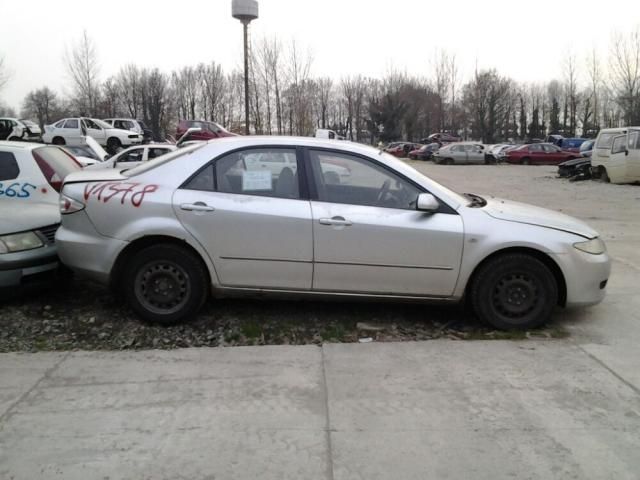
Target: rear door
x,y
71,132
255,223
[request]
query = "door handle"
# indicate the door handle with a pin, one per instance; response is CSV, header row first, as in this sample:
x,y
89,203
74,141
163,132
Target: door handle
x,y
336,221
196,207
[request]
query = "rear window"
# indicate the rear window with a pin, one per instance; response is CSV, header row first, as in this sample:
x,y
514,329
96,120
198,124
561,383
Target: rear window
x,y
156,162
55,164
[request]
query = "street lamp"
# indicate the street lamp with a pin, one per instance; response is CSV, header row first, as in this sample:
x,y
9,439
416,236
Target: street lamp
x,y
245,11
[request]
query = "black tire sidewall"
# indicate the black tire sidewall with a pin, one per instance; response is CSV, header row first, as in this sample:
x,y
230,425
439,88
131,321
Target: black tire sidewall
x,y
198,281
491,272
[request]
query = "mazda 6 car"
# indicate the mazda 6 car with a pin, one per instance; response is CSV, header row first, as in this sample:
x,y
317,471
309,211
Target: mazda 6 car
x,y
210,220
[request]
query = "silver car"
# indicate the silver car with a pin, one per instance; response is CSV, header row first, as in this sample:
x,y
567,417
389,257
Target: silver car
x,y
460,153
202,219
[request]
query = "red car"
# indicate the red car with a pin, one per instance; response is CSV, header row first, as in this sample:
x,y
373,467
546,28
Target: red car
x,y
401,149
209,130
539,154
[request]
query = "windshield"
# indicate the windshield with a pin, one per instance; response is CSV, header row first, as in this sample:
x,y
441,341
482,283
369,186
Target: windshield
x,y
101,123
605,139
156,162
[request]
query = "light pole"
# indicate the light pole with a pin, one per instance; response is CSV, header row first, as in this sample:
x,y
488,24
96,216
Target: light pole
x,y
245,11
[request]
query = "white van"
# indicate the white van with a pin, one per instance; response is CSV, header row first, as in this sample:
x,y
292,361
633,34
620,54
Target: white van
x,y
616,155
330,134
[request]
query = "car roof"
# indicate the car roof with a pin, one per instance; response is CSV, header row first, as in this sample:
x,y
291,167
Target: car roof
x,y
7,145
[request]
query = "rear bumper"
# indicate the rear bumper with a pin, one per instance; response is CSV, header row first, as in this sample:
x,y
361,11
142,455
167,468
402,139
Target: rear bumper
x,y
21,267
84,250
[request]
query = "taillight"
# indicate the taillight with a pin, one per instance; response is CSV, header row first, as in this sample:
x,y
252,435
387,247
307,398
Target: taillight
x,y
69,205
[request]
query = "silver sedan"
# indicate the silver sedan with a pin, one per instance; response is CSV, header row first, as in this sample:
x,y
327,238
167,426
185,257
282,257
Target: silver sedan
x,y
319,218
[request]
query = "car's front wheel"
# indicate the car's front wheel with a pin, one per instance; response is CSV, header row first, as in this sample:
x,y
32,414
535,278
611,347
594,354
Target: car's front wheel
x,y
514,291
165,284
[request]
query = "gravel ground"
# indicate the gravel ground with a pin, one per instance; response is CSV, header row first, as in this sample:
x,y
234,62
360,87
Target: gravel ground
x,y
75,314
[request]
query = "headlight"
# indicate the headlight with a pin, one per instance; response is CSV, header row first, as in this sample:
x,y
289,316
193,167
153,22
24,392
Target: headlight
x,y
595,246
18,242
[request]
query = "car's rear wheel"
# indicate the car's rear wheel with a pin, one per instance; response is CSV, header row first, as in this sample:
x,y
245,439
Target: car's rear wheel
x,y
165,284
526,161
58,141
514,291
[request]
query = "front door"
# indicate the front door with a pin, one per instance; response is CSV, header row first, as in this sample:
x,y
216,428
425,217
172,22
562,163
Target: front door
x,y
254,224
369,237
95,131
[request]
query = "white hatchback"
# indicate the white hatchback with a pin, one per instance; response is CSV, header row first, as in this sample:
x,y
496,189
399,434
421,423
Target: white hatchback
x,y
71,131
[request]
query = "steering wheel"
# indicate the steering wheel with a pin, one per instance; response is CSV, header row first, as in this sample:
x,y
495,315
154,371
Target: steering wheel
x,y
383,190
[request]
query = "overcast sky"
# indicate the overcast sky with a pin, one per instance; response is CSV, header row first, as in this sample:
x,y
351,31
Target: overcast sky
x,y
344,36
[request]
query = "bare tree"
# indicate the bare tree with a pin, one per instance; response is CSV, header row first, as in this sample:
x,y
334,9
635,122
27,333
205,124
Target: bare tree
x,y
441,65
624,67
82,66
595,83
324,86
4,73
41,103
129,86
110,98
571,87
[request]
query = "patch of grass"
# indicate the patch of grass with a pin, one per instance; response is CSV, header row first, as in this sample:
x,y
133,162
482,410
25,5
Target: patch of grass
x,y
333,332
251,329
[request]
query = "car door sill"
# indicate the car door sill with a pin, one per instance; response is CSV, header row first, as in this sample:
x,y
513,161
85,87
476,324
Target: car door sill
x,y
220,291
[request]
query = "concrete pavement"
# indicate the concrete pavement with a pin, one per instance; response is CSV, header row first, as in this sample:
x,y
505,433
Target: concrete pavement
x,y
441,409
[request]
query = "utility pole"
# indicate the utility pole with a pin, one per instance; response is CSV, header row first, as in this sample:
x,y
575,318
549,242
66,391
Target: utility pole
x,y
245,11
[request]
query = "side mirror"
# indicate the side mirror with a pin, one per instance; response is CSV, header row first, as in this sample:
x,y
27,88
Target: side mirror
x,y
427,203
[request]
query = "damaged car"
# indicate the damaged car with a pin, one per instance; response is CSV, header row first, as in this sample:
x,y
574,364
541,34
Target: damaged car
x,y
199,221
30,178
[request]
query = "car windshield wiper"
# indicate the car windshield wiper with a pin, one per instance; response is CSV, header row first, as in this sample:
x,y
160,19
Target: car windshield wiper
x,y
476,200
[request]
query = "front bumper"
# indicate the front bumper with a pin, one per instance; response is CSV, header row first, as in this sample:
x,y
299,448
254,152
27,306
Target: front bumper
x,y
19,268
586,277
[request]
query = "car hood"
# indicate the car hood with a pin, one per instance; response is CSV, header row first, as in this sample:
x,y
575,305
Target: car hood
x,y
523,213
28,217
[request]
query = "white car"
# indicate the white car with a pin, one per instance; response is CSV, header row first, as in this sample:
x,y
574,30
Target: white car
x,y
17,129
134,156
202,219
88,154
71,131
137,126
31,176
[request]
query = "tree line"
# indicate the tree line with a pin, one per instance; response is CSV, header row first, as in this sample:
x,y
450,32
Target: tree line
x,y
287,99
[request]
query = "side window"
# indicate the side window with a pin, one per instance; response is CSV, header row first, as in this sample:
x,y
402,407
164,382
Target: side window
x,y
8,166
59,124
133,155
619,144
156,152
203,181
634,140
91,124
343,178
71,123
268,172
535,148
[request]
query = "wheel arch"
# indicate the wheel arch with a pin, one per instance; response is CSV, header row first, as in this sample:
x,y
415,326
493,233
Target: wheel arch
x,y
146,241
539,255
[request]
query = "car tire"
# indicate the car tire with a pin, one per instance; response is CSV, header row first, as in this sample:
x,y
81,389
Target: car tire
x,y
448,161
603,176
165,284
514,291
15,139
114,145
526,161
58,141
